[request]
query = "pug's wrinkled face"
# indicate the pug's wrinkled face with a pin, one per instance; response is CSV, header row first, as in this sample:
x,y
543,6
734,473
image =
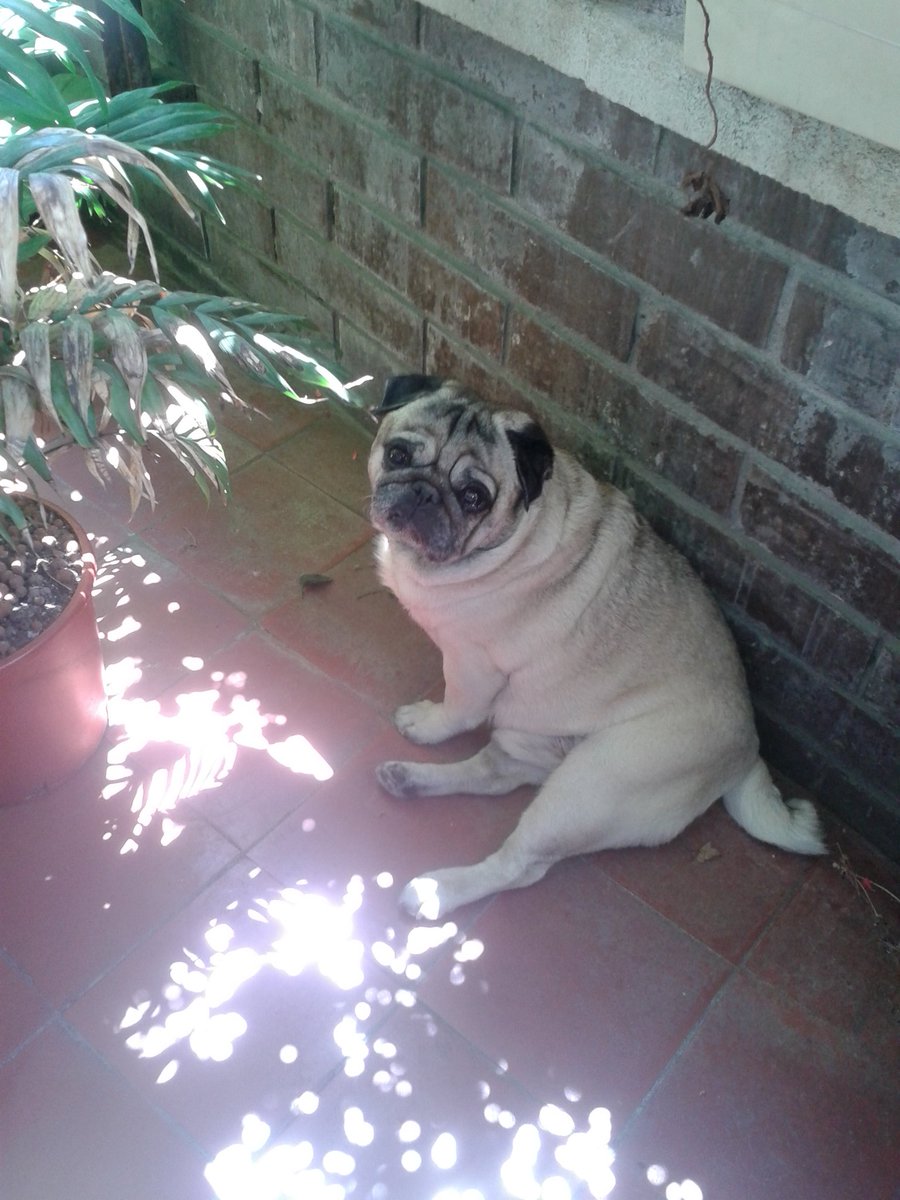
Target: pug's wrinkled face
x,y
450,476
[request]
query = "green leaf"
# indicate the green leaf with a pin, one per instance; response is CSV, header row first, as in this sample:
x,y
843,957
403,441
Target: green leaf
x,y
10,511
33,456
118,401
70,37
66,413
31,79
126,10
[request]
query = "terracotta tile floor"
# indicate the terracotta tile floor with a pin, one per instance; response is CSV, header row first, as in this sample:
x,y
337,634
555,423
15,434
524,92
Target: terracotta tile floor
x,y
206,987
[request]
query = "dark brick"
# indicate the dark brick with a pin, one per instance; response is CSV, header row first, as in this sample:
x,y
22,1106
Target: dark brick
x,y
784,684
757,404
453,360
691,261
871,748
351,152
165,215
434,287
862,575
446,357
397,19
790,748
819,635
846,351
632,420
716,557
883,689
279,30
872,813
351,290
539,93
288,185
821,232
361,355
290,290
525,260
438,117
248,221
225,77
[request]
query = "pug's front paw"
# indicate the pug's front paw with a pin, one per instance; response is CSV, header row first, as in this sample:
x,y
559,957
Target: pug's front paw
x,y
425,723
422,899
396,778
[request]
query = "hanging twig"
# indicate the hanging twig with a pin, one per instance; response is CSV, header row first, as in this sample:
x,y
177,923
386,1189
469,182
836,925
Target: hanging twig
x,y
708,199
709,74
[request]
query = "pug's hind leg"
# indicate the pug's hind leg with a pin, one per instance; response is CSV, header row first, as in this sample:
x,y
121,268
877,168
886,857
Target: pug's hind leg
x,y
491,772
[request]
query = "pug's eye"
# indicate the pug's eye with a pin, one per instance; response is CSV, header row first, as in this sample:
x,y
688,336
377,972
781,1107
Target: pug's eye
x,y
474,497
398,455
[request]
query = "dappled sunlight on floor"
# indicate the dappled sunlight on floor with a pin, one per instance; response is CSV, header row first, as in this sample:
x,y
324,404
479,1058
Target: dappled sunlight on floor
x,y
208,990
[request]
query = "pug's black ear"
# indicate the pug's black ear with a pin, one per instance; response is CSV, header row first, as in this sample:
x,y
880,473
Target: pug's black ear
x,y
533,456
400,389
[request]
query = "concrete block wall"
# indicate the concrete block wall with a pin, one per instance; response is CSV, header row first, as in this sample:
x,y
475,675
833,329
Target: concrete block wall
x,y
440,202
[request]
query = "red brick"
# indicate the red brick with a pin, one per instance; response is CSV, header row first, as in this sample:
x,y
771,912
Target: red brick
x,y
785,684
829,237
540,93
540,270
333,143
825,640
836,557
433,286
351,290
716,557
286,184
694,262
275,29
631,419
759,405
847,351
446,357
437,116
224,76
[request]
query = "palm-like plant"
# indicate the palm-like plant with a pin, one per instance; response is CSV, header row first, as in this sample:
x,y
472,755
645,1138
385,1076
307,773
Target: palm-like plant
x,y
88,357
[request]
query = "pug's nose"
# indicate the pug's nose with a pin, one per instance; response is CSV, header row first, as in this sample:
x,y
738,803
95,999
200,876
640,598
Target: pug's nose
x,y
425,493
415,497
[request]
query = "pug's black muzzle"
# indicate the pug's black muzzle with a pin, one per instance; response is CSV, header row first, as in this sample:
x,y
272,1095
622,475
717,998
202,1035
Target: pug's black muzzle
x,y
414,511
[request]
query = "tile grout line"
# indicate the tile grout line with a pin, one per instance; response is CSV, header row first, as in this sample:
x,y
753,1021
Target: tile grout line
x,y
738,970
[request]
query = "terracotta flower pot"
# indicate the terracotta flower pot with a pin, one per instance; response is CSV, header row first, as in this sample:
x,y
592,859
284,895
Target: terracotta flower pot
x,y
52,699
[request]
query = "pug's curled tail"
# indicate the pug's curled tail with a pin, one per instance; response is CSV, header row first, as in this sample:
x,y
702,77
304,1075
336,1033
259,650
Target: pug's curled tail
x,y
757,806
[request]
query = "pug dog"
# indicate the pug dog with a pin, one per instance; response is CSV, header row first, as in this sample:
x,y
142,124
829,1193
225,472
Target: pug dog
x,y
603,667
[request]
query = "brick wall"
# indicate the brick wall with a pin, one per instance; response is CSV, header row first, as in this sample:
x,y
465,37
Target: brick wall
x,y
443,203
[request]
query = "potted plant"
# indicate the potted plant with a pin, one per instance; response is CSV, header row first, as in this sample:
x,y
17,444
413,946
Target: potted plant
x,y
107,363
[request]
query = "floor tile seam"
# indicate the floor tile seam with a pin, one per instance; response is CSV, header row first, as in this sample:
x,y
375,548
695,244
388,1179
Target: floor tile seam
x,y
294,655
70,999
51,1019
332,1073
150,694
670,921
736,971
787,898
362,513
269,458
74,1035
681,1050
841,1032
